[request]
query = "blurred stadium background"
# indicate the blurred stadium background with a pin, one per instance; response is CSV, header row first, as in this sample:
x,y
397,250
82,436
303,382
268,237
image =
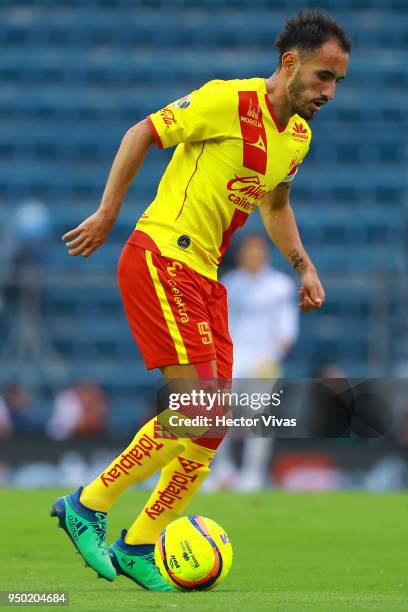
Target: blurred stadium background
x,y
75,75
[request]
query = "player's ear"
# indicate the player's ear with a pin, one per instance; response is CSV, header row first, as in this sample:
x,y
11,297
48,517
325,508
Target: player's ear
x,y
290,61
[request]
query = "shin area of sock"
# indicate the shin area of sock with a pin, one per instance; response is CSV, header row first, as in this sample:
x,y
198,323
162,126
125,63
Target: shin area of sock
x,y
145,455
179,482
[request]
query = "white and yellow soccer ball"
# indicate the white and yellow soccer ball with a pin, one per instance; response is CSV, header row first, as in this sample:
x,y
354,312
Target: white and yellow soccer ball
x,y
193,553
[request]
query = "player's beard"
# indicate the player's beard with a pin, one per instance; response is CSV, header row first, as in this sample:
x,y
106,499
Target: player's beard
x,y
296,89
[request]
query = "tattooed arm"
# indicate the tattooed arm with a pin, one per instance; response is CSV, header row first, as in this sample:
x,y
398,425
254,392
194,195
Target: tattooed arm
x,y
280,224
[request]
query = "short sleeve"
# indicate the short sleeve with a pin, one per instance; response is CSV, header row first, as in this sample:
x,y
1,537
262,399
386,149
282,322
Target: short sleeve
x,y
294,170
289,178
208,112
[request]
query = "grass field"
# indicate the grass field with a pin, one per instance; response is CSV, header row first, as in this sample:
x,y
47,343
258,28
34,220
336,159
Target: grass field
x,y
329,552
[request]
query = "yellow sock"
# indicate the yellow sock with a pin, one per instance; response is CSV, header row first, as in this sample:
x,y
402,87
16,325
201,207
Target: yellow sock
x,y
144,456
179,482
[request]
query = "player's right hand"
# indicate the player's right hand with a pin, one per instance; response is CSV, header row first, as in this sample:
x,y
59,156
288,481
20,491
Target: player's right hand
x,y
89,235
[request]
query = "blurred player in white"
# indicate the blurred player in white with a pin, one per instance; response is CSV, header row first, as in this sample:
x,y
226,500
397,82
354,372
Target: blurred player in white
x,y
263,322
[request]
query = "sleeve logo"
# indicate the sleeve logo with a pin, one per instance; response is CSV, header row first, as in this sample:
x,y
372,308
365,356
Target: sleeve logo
x,y
168,116
182,102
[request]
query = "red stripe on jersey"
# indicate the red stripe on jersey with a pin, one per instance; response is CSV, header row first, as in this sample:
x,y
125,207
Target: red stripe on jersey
x,y
238,219
252,131
155,132
279,126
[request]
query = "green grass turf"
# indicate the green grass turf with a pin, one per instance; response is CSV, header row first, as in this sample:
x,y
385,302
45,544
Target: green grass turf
x,y
329,552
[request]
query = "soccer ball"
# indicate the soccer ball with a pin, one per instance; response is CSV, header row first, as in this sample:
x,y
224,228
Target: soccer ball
x,y
193,553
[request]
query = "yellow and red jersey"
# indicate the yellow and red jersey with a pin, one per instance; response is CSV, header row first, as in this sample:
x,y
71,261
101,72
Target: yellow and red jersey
x,y
230,151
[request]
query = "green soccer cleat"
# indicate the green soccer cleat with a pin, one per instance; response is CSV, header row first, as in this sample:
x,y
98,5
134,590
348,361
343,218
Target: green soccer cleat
x,y
86,529
136,561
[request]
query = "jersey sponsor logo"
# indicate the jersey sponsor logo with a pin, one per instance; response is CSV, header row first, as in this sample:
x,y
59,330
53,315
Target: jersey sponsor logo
x,y
246,191
168,116
252,115
299,132
299,129
253,132
177,295
184,241
254,111
251,121
182,102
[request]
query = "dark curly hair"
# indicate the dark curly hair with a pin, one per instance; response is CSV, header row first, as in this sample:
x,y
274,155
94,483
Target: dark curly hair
x,y
308,31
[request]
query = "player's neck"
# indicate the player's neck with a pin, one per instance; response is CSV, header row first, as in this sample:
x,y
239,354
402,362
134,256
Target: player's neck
x,y
278,98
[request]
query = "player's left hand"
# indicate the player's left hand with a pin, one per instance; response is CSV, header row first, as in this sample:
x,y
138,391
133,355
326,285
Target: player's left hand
x,y
311,292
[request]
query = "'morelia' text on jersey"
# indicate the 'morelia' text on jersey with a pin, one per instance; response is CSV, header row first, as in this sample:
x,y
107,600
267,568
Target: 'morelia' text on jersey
x,y
231,151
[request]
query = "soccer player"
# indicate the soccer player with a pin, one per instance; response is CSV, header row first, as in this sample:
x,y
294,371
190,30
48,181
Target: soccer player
x,y
239,145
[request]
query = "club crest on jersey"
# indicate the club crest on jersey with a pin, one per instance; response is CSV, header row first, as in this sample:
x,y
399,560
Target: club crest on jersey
x,y
184,241
182,102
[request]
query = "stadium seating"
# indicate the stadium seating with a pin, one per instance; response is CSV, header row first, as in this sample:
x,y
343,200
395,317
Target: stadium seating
x,y
75,75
